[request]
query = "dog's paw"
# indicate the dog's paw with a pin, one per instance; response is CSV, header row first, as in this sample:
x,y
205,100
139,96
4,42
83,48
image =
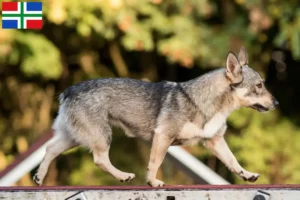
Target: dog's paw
x,y
155,183
37,180
126,177
248,176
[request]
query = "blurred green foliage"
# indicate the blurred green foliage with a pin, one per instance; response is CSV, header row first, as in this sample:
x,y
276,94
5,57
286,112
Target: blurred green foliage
x,y
145,39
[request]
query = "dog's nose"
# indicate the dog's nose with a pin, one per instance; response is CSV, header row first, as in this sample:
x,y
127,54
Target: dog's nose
x,y
275,102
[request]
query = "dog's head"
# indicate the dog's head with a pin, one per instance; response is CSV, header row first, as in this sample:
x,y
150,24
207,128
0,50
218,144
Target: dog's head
x,y
247,85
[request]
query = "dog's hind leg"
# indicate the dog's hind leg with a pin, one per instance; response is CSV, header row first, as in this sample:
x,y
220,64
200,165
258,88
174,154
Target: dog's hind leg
x,y
100,147
101,159
61,144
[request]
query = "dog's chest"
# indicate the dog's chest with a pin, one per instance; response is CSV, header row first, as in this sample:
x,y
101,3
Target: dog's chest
x,y
192,130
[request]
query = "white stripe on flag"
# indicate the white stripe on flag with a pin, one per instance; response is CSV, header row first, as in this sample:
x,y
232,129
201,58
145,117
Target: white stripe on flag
x,y
13,18
30,12
37,18
13,12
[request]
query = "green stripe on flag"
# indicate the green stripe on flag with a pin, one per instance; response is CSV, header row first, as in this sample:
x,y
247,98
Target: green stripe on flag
x,y
22,17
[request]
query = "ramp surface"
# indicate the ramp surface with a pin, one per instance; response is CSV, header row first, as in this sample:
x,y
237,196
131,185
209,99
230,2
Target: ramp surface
x,y
190,192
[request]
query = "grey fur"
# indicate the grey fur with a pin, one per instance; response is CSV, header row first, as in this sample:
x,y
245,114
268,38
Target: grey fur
x,y
166,113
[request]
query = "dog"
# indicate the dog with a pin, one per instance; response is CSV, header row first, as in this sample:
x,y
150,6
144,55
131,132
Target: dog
x,y
166,113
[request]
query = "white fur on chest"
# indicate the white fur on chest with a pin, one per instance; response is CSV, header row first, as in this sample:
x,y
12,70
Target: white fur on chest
x,y
210,129
214,125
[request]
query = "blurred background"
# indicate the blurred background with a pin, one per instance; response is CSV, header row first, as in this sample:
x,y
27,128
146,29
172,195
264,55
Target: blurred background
x,y
153,40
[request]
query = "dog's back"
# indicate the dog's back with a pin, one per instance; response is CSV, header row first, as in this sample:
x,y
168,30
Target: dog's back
x,y
130,104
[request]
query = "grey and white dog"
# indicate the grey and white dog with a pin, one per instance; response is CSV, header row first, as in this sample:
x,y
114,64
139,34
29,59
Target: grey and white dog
x,y
166,113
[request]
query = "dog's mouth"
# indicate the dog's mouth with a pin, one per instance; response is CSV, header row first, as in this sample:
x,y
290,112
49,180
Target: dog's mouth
x,y
259,107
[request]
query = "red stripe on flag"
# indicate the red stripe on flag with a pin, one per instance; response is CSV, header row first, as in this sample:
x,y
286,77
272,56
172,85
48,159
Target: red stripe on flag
x,y
34,24
9,6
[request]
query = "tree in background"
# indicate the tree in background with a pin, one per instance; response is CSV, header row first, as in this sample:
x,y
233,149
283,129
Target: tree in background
x,y
152,40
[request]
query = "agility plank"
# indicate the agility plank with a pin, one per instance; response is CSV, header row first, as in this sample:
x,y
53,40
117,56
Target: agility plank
x,y
191,192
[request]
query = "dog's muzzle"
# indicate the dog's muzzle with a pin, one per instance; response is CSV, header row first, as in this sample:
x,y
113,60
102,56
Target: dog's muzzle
x,y
259,107
262,108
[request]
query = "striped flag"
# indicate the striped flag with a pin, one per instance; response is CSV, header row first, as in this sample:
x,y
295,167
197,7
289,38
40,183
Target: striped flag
x,y
22,15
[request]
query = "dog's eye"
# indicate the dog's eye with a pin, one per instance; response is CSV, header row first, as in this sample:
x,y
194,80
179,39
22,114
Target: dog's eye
x,y
259,85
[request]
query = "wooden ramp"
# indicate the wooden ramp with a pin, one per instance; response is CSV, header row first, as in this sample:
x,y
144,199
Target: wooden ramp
x,y
191,192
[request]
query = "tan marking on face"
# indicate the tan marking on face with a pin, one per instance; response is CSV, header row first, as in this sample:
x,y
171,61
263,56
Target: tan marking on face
x,y
241,92
258,96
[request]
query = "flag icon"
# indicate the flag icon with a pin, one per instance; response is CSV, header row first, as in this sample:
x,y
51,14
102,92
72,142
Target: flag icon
x,y
22,15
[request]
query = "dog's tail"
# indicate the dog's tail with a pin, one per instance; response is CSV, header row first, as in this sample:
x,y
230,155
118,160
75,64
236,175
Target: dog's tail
x,y
59,124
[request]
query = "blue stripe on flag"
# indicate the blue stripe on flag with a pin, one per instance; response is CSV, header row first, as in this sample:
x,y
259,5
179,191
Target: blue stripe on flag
x,y
34,6
9,24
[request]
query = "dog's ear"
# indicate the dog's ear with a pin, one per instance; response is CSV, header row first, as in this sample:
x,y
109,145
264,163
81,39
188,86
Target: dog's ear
x,y
243,56
233,69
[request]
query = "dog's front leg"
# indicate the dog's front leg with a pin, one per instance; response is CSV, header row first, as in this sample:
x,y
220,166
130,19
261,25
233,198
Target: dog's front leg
x,y
160,145
219,148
